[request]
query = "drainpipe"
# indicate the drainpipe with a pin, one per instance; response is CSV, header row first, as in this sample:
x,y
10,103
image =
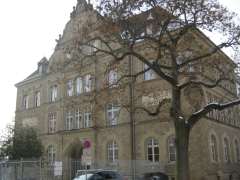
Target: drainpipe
x,y
132,120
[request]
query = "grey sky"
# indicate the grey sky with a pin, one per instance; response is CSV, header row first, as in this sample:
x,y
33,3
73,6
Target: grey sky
x,y
28,32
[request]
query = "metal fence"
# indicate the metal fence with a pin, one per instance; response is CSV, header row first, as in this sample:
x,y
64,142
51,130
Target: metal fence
x,y
27,170
66,170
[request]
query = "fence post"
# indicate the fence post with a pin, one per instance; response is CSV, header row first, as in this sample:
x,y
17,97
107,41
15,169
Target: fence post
x,y
40,169
21,168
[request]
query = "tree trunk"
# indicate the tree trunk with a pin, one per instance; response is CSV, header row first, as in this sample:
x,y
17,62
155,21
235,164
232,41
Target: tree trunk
x,y
182,142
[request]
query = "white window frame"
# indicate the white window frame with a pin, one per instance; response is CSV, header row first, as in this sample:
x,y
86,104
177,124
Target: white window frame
x,y
87,83
70,88
148,75
149,29
112,151
53,93
37,99
87,120
69,121
51,154
151,145
78,119
113,111
52,122
25,102
112,78
172,155
79,85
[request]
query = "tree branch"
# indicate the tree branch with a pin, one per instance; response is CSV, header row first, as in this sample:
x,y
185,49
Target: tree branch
x,y
207,85
195,117
157,110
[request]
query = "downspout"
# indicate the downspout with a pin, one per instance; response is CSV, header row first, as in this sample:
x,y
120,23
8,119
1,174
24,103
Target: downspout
x,y
132,120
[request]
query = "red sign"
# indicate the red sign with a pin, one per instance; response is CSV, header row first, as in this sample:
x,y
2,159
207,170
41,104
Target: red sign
x,y
86,144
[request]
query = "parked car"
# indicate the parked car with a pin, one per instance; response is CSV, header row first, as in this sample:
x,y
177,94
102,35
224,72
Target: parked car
x,y
155,176
98,175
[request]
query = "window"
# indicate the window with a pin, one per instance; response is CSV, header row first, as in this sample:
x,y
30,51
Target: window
x,y
237,152
51,154
87,120
148,75
70,88
97,44
213,148
37,99
149,29
87,83
25,102
69,120
112,114
226,150
78,119
152,150
79,85
112,151
53,93
171,149
112,78
191,67
52,122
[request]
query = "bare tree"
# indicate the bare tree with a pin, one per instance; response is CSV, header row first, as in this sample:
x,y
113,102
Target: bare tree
x,y
171,31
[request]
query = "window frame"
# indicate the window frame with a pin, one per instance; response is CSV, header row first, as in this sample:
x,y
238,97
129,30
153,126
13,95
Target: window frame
x,y
69,121
70,88
114,112
79,85
87,83
52,122
78,119
226,150
237,150
25,102
171,145
87,119
53,93
151,144
51,154
112,151
150,74
37,99
112,78
213,144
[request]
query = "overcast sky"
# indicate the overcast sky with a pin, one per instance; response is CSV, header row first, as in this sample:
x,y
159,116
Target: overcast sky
x,y
27,33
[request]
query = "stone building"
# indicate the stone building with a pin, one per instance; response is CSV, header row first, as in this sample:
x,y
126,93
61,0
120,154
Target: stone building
x,y
81,113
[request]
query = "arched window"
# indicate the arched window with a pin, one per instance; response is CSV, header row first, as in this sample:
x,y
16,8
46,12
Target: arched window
x,y
51,154
152,150
112,151
237,152
171,149
226,149
213,147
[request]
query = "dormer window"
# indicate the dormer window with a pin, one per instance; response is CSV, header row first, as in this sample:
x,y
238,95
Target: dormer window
x,y
149,27
42,66
150,17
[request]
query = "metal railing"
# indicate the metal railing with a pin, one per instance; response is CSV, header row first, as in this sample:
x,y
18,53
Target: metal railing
x,y
67,170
